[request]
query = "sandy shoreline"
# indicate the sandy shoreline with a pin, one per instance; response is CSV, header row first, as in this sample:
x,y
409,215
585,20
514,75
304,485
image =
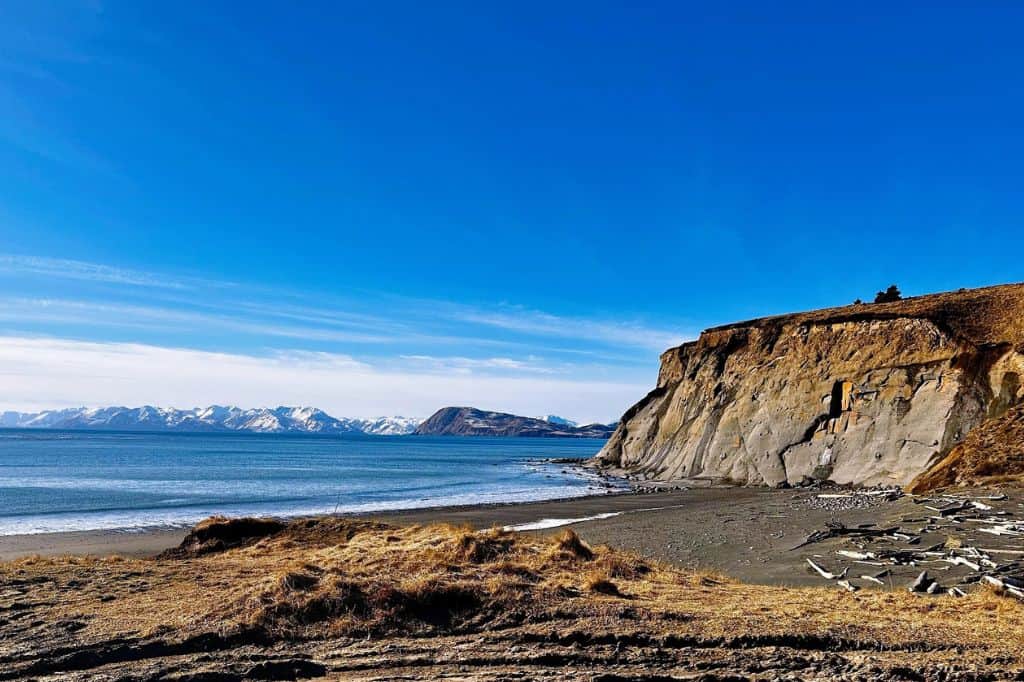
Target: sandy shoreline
x,y
149,541
743,532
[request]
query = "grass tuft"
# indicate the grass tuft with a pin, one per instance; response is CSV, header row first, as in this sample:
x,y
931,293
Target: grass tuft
x,y
598,582
569,543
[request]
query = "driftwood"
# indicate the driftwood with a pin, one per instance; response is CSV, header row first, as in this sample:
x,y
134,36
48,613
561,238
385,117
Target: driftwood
x,y
869,545
951,511
900,557
1011,529
921,583
826,574
843,531
960,561
1003,585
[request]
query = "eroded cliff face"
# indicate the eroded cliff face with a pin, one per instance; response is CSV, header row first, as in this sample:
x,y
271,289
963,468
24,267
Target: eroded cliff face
x,y
864,394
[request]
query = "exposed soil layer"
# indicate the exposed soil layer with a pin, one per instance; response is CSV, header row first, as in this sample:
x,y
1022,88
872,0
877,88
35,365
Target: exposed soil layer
x,y
354,599
992,452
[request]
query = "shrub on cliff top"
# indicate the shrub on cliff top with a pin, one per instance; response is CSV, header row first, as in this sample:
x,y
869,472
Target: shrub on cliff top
x,y
889,295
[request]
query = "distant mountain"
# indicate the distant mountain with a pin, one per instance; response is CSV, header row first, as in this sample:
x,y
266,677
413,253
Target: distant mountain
x,y
557,421
390,426
469,421
212,418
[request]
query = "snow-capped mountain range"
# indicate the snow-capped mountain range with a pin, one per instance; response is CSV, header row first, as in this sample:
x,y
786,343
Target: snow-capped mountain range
x,y
212,418
557,421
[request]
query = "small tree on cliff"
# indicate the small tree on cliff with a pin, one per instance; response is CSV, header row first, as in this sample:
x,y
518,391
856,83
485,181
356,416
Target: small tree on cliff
x,y
889,295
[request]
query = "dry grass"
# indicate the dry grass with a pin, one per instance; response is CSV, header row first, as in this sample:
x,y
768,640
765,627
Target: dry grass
x,y
333,577
600,582
988,315
991,454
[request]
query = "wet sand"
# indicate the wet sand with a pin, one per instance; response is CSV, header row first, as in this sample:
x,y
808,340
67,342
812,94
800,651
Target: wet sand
x,y
90,542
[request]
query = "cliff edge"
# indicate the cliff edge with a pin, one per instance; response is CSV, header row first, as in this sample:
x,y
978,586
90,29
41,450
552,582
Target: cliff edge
x,y
862,394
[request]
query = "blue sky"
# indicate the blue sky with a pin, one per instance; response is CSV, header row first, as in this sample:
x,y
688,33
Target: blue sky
x,y
379,208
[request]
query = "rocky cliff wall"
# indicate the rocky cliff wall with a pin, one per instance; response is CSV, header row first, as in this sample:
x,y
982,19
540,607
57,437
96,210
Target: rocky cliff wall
x,y
864,394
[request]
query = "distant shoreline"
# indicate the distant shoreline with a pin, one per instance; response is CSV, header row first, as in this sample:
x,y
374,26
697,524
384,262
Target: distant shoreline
x,y
291,434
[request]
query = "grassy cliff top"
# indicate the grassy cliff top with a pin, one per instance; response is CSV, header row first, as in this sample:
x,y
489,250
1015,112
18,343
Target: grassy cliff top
x,y
989,315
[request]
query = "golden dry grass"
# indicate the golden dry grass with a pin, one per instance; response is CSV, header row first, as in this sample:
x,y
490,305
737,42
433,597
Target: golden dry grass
x,y
987,315
992,453
331,577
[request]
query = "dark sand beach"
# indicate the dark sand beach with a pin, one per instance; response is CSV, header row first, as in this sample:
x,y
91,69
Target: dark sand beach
x,y
745,533
351,598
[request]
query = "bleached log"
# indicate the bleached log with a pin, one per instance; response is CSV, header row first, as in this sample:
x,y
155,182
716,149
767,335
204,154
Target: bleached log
x,y
1003,585
961,561
904,537
827,575
871,578
847,585
921,583
860,556
1000,530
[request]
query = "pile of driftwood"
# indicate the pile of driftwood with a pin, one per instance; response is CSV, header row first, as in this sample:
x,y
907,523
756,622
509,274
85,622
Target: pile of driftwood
x,y
877,553
845,500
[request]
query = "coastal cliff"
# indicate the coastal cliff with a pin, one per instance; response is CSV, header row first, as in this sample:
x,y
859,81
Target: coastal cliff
x,y
863,394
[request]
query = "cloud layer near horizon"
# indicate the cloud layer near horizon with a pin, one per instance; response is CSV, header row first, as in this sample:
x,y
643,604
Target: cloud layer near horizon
x,y
40,373
75,333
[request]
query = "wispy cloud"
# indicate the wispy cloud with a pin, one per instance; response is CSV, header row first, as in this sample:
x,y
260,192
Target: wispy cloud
x,y
256,310
46,373
92,272
366,355
148,317
464,365
545,324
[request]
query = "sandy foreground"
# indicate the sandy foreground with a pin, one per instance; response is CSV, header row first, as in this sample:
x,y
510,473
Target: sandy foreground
x,y
705,584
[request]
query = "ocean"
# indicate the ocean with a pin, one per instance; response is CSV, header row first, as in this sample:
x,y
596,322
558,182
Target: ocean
x,y
53,481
